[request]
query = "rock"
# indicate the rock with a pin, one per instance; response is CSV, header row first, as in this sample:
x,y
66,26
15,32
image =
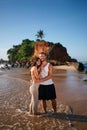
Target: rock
x,y
59,53
84,78
81,67
41,46
56,52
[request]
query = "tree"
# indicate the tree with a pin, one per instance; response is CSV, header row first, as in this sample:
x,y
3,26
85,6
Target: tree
x,y
26,49
39,35
12,53
21,52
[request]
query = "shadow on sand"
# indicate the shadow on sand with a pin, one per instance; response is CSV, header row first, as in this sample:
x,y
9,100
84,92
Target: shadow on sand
x,y
63,116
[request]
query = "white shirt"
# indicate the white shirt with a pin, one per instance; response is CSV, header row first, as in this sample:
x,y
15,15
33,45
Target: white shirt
x,y
45,74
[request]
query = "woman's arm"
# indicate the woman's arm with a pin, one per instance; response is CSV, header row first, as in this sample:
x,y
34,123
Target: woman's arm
x,y
37,74
34,74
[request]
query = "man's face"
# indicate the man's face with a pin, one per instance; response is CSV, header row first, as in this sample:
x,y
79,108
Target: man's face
x,y
42,57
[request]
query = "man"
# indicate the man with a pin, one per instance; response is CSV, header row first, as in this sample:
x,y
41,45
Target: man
x,y
46,88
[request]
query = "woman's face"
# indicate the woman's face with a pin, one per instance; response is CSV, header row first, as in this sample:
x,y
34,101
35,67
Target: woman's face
x,y
38,62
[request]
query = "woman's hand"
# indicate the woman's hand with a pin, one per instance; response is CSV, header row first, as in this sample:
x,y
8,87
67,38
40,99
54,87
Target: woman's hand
x,y
37,80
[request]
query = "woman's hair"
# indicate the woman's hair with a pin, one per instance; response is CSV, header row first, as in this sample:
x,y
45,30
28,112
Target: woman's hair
x,y
34,62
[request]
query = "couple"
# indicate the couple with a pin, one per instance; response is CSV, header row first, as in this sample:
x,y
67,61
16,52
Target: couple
x,y
42,86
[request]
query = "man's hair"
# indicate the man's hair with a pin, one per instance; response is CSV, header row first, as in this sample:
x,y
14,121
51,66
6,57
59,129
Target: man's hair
x,y
43,53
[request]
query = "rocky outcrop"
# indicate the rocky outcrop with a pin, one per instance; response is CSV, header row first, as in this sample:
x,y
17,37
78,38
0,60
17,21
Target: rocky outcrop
x,y
42,46
59,53
56,52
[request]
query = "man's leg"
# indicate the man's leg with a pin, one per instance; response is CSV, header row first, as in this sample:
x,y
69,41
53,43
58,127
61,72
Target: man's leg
x,y
54,104
44,105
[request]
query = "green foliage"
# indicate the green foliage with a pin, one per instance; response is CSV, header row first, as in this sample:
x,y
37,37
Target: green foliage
x,y
12,53
21,52
25,50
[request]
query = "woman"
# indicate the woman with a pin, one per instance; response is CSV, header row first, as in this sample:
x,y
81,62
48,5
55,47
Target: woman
x,y
35,75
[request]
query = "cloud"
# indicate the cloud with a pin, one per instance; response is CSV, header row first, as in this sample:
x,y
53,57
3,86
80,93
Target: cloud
x,y
3,53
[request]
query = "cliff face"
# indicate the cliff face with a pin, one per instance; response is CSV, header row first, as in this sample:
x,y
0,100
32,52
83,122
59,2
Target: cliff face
x,y
59,53
55,51
41,47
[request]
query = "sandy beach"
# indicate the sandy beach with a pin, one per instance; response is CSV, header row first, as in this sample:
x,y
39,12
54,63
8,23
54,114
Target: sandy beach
x,y
65,67
71,90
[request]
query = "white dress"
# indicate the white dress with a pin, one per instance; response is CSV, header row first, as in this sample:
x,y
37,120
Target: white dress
x,y
34,97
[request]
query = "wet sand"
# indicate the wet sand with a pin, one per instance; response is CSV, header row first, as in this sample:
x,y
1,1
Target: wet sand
x,y
70,89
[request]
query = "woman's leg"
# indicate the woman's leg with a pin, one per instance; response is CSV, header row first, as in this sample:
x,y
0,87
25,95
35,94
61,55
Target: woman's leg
x,y
30,106
34,98
35,104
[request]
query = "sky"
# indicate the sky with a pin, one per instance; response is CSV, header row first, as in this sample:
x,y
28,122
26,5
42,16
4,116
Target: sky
x,y
63,21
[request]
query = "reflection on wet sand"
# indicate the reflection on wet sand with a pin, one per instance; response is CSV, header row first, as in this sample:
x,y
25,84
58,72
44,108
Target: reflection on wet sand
x,y
15,99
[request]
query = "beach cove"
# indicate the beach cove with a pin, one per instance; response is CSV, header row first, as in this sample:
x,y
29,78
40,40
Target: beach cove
x,y
15,98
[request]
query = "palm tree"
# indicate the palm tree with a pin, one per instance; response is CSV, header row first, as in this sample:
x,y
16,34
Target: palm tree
x,y
40,35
